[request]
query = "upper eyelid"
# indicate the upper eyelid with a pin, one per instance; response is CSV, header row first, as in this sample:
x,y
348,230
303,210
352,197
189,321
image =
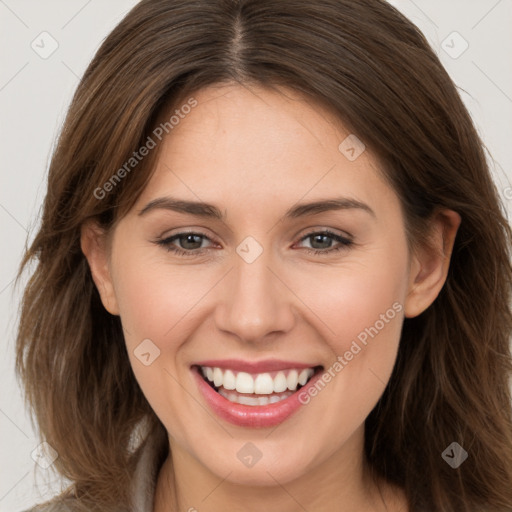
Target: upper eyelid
x,y
187,232
347,238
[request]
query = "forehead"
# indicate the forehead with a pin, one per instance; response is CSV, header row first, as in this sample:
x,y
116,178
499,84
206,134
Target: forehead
x,y
251,118
239,144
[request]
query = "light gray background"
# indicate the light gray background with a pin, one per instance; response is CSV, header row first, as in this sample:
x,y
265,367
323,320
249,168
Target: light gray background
x,y
34,95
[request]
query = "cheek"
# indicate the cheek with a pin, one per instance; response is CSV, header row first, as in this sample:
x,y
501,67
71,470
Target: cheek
x,y
351,300
365,313
155,297
359,310
156,303
368,307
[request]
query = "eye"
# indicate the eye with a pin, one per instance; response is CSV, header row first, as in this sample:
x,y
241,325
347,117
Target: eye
x,y
184,244
323,240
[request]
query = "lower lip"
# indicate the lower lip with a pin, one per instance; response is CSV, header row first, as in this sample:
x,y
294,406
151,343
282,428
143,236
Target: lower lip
x,y
254,416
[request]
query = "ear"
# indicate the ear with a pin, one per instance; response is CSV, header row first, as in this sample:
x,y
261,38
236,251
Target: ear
x,y
94,244
429,264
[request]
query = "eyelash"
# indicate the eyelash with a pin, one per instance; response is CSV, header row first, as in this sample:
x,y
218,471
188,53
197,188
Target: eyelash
x,y
166,243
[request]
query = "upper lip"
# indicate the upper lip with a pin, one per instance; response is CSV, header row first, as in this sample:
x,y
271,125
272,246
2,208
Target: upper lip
x,y
267,365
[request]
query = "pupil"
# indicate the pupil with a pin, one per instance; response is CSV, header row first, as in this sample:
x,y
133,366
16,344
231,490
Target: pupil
x,y
318,238
186,239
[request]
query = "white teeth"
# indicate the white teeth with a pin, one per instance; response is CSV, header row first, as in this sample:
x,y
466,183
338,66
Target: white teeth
x,y
244,383
264,384
280,383
229,381
218,376
292,380
263,400
252,400
303,377
248,400
260,384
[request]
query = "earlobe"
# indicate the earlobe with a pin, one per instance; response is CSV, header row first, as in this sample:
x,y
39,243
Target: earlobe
x,y
93,241
429,265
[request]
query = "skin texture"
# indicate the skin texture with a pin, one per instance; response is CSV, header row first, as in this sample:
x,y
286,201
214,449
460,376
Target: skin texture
x,y
254,153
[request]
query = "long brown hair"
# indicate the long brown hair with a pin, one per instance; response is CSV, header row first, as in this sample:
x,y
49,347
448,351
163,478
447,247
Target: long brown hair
x,y
375,70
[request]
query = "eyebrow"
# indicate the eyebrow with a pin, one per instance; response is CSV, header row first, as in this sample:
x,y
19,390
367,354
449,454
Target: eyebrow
x,y
207,210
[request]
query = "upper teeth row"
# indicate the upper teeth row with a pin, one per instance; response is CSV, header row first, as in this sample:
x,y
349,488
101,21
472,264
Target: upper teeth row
x,y
261,383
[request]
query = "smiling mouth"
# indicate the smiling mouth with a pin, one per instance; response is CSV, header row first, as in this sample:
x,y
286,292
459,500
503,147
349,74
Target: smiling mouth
x,y
259,388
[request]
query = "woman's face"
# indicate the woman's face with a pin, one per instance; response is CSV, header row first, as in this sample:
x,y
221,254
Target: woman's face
x,y
268,290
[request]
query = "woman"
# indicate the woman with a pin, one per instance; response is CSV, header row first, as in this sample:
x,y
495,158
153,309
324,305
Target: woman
x,y
272,271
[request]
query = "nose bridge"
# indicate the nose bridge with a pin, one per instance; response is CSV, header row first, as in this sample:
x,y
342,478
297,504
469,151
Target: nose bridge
x,y
255,302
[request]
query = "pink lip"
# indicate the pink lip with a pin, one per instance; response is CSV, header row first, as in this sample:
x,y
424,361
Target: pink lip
x,y
269,365
257,416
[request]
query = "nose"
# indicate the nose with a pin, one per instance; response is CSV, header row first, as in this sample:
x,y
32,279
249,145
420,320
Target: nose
x,y
256,304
